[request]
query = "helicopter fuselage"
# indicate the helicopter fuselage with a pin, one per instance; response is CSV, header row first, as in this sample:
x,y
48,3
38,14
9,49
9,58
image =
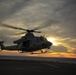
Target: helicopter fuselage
x,y
29,45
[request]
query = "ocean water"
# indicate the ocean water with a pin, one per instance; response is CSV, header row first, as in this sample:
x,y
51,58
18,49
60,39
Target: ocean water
x,y
54,59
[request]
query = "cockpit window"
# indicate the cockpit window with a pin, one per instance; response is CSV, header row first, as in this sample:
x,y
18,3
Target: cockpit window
x,y
43,39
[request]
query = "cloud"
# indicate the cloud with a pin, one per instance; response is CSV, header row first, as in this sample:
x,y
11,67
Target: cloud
x,y
59,48
9,8
42,13
74,51
68,16
53,17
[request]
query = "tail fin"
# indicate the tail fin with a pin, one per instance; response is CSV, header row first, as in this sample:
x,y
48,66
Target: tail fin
x,y
1,45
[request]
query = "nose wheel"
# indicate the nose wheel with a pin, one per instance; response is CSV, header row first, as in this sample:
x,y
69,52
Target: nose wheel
x,y
43,51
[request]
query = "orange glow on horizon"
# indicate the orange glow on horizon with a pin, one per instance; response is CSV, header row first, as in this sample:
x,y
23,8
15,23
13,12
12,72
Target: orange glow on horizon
x,y
52,54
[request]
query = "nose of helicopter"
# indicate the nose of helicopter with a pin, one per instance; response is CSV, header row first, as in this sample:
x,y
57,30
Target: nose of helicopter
x,y
49,44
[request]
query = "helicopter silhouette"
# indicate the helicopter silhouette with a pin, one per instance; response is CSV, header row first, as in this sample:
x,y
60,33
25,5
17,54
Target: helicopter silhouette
x,y
27,43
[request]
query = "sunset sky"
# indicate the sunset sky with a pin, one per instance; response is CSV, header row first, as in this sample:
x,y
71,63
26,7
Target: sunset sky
x,y
57,19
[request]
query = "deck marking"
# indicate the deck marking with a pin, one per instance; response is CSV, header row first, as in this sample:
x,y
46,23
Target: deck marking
x,y
52,65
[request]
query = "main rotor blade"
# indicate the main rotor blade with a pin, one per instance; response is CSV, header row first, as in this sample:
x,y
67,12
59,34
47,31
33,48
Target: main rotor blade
x,y
19,33
39,27
45,24
13,27
37,31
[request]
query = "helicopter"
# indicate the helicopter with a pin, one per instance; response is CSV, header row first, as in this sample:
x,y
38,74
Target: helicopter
x,y
27,43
